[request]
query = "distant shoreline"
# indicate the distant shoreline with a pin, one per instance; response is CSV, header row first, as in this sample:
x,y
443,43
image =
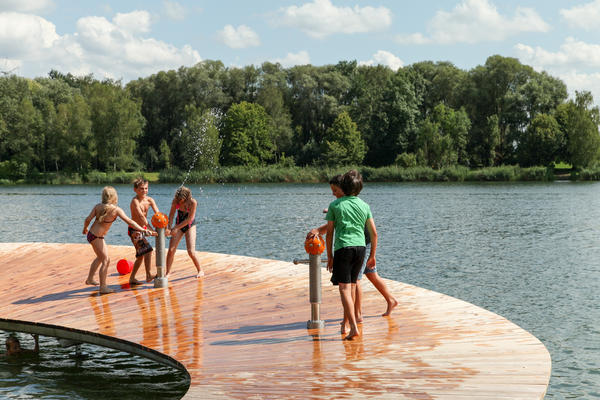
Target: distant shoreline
x,y
313,174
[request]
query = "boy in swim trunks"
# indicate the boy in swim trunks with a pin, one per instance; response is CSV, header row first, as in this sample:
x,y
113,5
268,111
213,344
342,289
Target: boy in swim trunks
x,y
139,206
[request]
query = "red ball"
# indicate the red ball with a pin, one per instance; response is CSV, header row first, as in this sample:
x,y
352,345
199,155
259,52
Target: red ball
x,y
314,245
124,267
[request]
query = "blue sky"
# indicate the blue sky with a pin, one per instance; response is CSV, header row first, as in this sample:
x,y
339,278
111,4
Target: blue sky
x,y
127,39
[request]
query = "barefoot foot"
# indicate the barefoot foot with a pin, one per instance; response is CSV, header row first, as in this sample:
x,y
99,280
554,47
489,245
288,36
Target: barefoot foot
x,y
91,282
353,334
135,282
105,290
150,278
344,328
391,305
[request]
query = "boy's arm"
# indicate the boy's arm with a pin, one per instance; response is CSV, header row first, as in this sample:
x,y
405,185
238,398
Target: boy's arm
x,y
133,224
373,233
153,205
329,243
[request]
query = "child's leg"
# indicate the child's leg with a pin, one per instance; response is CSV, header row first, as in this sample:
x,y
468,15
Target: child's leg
x,y
358,302
148,266
190,243
383,289
346,290
99,248
172,249
136,266
105,261
93,268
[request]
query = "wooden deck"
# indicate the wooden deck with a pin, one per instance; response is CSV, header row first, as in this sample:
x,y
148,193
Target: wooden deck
x,y
240,331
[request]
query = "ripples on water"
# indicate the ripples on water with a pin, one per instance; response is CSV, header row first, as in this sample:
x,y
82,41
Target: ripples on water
x,y
57,373
527,251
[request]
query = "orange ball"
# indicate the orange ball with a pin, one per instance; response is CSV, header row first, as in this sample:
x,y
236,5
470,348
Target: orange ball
x,y
314,245
160,220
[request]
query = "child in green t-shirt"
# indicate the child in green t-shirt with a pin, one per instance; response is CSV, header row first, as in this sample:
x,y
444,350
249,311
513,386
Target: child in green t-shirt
x,y
347,216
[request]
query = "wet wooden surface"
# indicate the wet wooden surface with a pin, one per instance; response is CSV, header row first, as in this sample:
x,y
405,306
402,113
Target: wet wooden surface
x,y
241,330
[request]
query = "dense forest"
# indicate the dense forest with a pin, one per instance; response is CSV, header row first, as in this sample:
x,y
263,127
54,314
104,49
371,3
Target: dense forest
x,y
429,114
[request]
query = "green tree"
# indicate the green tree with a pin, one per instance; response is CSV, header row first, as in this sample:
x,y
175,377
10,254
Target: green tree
x,y
434,149
541,142
164,154
384,106
271,98
245,133
72,146
116,123
454,124
343,143
578,120
494,89
316,96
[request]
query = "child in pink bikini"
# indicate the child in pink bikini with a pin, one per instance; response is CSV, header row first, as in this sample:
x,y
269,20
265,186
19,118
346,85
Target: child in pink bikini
x,y
104,214
185,224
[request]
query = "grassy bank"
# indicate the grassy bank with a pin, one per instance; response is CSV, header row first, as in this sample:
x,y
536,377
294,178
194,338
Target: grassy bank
x,y
281,174
277,174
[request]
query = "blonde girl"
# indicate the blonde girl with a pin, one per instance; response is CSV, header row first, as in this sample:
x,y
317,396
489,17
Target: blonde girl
x,y
104,214
185,224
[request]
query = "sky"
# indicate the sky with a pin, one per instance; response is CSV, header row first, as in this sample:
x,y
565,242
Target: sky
x,y
129,39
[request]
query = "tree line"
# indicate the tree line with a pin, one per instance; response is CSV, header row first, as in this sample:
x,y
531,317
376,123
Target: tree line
x,y
429,114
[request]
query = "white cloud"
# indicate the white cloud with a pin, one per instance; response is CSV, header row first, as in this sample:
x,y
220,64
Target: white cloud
x,y
321,18
586,16
174,10
23,34
114,49
239,38
386,58
25,6
580,82
474,21
133,22
574,63
572,53
291,59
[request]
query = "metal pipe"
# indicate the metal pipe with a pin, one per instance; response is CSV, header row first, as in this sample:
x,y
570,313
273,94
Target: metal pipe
x,y
161,281
315,292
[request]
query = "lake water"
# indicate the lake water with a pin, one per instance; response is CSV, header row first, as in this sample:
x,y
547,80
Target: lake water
x,y
527,251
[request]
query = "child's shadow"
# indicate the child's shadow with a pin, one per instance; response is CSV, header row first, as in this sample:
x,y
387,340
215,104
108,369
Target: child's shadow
x,y
75,293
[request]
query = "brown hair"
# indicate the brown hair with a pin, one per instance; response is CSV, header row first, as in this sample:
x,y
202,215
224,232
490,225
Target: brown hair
x,y
336,180
139,182
183,193
352,183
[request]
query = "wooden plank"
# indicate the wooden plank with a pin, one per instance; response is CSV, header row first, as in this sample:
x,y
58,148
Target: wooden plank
x,y
241,330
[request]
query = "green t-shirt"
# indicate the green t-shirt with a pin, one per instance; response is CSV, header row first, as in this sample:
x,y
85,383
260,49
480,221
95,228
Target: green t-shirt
x,y
349,214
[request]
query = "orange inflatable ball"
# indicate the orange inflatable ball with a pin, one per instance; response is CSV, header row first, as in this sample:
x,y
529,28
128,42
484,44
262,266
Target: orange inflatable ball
x,y
160,220
124,267
314,245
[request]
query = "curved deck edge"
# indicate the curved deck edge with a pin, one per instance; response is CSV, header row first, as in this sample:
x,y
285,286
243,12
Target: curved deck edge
x,y
98,339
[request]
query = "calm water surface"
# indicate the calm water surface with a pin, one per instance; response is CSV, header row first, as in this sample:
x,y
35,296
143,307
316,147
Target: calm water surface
x,y
529,252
